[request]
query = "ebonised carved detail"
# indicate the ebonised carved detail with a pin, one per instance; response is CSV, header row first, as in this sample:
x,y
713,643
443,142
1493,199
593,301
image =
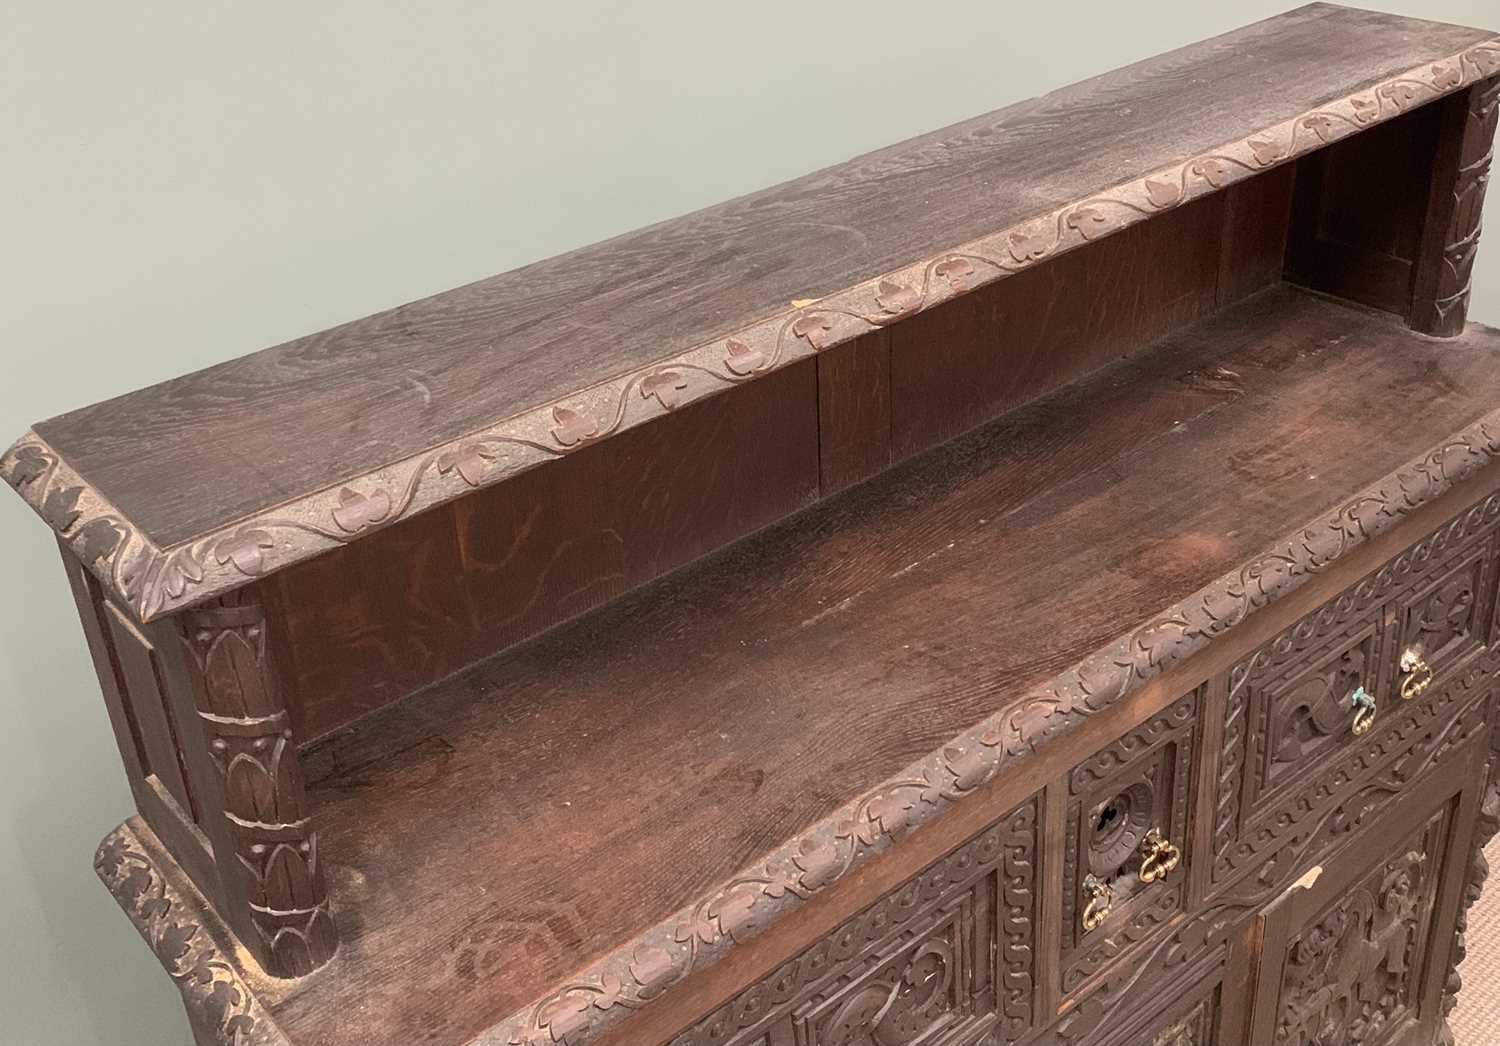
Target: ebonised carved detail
x,y
250,739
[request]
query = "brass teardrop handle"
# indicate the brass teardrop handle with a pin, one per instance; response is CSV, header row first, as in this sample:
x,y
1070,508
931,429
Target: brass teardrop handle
x,y
1417,673
1159,858
1101,898
1363,704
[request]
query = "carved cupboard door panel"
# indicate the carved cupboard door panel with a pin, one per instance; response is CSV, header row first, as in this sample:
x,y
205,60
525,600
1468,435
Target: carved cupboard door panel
x,y
1356,952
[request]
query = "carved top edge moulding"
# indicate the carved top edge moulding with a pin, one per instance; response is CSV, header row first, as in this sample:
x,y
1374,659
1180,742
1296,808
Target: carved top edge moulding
x,y
154,576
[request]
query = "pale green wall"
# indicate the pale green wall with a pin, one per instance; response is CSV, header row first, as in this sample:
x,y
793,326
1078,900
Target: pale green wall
x,y
185,181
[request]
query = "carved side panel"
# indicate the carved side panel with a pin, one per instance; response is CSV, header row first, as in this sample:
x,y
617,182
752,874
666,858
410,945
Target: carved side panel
x,y
1443,282
948,956
1139,783
1486,827
250,738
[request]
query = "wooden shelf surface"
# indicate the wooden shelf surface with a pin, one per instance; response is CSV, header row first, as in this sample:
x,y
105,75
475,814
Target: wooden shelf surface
x,y
495,834
246,467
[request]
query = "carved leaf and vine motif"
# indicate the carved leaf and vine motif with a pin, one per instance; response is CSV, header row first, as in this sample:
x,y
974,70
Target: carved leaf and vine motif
x,y
1461,244
212,990
950,948
1288,722
251,742
1350,976
1446,619
1312,716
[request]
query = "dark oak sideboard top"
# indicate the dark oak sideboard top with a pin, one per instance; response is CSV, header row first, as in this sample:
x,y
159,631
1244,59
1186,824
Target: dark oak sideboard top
x,y
974,591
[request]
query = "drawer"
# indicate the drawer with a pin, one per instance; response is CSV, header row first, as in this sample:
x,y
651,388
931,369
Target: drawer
x,y
1367,679
1127,842
947,959
1444,620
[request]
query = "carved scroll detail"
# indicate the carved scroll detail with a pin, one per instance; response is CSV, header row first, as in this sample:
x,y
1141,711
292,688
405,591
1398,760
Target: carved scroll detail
x,y
164,914
250,739
154,581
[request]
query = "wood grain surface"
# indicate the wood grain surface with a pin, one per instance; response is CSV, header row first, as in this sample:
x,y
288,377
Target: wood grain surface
x,y
192,455
595,780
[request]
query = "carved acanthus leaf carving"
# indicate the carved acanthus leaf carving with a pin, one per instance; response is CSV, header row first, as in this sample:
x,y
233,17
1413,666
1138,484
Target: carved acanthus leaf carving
x,y
250,740
211,987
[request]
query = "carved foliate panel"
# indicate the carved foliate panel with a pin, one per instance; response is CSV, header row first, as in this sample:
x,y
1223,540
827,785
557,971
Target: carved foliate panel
x,y
1139,784
1463,211
946,958
1448,619
1297,697
1168,959
1290,745
1353,972
1198,1028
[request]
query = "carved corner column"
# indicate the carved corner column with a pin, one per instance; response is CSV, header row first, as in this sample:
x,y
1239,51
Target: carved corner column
x,y
272,847
1450,240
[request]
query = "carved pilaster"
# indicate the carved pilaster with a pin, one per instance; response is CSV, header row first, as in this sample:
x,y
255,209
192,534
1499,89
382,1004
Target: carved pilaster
x,y
249,736
1441,296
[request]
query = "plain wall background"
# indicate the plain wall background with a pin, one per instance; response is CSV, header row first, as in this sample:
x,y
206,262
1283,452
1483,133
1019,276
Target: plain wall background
x,y
185,181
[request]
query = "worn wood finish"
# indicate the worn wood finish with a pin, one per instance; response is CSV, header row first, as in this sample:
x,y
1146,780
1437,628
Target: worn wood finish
x,y
1060,624
859,608
926,221
420,601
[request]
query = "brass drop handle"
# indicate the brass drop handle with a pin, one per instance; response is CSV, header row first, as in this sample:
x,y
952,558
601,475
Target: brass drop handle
x,y
1363,704
1159,858
1417,672
1101,898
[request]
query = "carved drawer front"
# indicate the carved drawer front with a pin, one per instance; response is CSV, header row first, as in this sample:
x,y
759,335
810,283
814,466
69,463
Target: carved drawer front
x,y
1346,957
1444,619
1125,862
1332,700
945,960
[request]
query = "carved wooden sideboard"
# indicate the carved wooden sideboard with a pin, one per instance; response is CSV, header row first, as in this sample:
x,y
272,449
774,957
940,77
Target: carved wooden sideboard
x,y
1033,584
